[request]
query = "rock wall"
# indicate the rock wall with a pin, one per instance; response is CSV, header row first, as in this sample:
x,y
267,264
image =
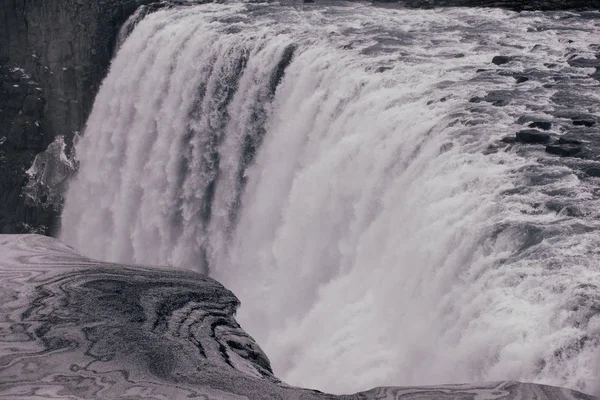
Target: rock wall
x,y
21,113
65,45
53,57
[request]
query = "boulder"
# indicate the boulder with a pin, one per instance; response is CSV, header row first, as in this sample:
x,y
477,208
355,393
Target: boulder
x,y
563,150
566,140
501,60
544,125
584,122
532,136
521,79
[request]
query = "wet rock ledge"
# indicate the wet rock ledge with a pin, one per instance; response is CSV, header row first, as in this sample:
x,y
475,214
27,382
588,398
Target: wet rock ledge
x,y
71,327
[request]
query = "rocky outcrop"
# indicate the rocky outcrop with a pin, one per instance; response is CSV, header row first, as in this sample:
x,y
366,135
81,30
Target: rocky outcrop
x,y
48,176
53,57
75,328
22,105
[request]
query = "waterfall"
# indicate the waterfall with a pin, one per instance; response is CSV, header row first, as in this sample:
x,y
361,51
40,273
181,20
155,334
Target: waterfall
x,y
332,166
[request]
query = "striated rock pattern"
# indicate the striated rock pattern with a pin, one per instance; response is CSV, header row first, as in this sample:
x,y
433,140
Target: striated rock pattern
x,y
75,328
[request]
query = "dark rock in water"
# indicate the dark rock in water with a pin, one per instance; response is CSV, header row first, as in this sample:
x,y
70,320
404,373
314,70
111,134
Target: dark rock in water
x,y
500,60
563,150
565,140
497,98
521,79
584,122
527,119
584,63
591,170
383,69
544,125
509,139
82,329
532,136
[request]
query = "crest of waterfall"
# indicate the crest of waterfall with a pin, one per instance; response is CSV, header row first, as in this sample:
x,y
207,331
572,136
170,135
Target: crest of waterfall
x,y
326,165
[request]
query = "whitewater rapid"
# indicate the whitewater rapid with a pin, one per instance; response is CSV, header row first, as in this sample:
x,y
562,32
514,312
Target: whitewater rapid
x,y
326,165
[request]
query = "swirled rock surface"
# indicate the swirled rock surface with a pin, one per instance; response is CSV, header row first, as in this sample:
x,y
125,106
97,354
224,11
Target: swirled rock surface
x,y
75,328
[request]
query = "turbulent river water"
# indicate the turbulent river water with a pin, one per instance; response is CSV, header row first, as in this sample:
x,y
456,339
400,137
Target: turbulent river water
x,y
337,166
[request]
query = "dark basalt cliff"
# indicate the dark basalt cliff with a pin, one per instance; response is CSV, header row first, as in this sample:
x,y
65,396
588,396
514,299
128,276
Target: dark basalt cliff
x,y
71,327
53,57
66,46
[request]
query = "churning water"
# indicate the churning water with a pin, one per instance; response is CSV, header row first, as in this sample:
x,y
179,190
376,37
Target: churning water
x,y
336,167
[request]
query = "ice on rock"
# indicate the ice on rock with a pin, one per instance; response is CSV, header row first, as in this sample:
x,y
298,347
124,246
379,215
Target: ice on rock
x,y
49,174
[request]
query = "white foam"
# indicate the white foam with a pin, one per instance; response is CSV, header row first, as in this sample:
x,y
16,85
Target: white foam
x,y
367,251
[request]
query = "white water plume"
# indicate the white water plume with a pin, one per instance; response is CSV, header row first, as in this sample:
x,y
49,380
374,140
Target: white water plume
x,y
325,164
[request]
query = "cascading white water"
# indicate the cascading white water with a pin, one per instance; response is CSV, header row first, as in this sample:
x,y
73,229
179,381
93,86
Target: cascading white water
x,y
326,165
